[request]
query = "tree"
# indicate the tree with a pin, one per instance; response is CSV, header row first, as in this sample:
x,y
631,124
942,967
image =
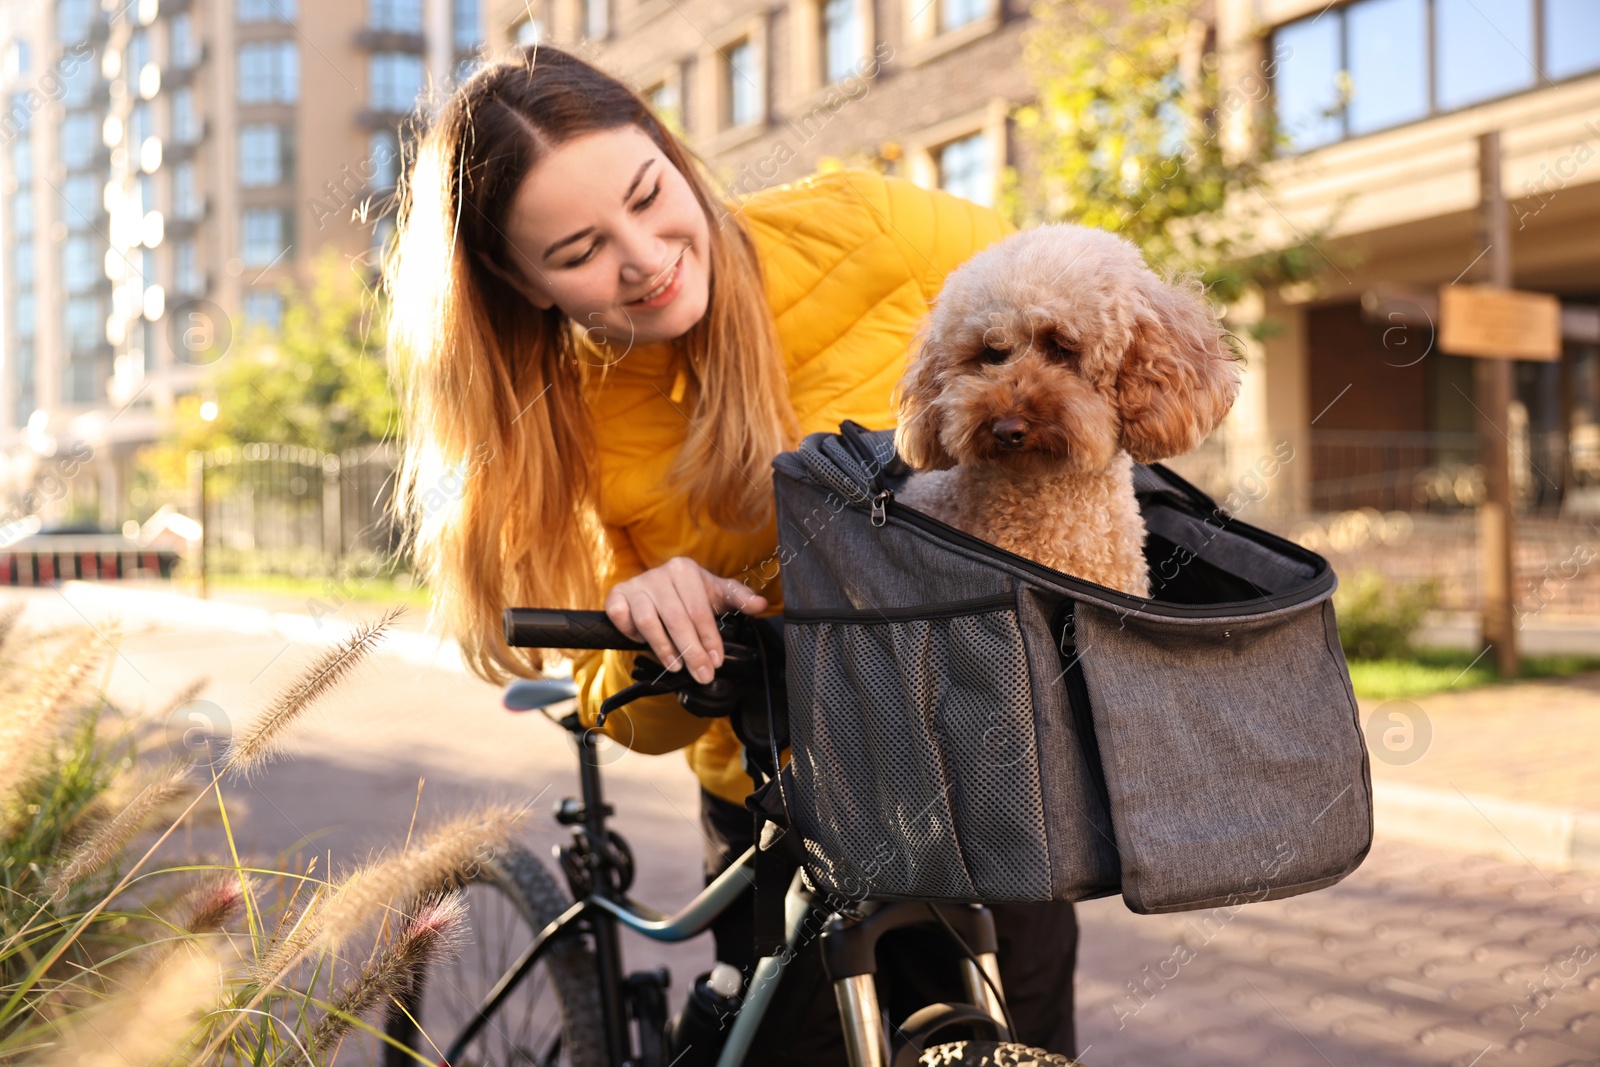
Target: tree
x,y
1130,133
320,382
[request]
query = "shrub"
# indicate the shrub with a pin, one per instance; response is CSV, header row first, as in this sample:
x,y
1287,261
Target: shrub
x,y
1377,617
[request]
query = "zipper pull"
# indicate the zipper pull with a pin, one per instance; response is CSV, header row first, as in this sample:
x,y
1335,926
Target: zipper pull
x,y
880,510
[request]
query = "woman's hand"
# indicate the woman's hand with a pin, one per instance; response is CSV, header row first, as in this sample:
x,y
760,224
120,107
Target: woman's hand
x,y
674,609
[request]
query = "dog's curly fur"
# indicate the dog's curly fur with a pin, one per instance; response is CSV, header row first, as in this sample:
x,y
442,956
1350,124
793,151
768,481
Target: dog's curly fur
x,y
1050,361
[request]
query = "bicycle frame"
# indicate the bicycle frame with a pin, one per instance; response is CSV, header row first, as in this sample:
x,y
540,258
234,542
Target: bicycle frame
x,y
848,946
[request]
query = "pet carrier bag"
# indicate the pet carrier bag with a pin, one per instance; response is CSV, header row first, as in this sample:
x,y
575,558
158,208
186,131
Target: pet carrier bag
x,y
969,725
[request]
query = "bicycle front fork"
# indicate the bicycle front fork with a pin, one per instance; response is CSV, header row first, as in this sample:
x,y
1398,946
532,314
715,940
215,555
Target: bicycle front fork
x,y
849,951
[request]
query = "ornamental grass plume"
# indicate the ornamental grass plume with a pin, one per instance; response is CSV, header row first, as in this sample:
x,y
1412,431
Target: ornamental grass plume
x,y
30,724
432,934
257,744
449,856
149,1023
107,840
215,902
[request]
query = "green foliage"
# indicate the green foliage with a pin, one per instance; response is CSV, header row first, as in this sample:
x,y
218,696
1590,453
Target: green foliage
x,y
1431,670
320,383
1377,618
1128,131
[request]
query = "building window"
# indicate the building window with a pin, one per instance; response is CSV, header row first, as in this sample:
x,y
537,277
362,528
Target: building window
x,y
81,194
744,91
664,102
80,381
1375,64
73,18
841,35
1571,37
186,269
467,24
77,83
85,325
22,160
145,187
264,307
1387,61
596,19
138,53
80,134
24,311
394,80
956,13
186,202
81,269
181,52
22,264
384,149
269,72
529,32
966,169
22,212
261,154
265,10
264,237
185,120
396,16
18,60
139,124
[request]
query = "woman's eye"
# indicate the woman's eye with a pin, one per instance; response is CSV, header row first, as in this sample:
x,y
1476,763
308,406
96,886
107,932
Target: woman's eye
x,y
994,355
640,206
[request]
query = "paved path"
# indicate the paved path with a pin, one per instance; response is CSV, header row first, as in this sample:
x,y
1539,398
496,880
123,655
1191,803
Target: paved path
x,y
1420,957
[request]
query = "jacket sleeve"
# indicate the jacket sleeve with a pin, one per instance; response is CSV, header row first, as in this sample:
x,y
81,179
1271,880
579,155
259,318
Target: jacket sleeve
x,y
651,725
935,231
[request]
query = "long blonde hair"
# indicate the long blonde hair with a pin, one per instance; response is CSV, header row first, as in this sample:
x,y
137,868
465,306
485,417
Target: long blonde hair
x,y
498,478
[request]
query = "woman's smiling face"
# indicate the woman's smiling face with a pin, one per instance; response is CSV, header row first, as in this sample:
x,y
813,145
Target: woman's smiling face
x,y
604,222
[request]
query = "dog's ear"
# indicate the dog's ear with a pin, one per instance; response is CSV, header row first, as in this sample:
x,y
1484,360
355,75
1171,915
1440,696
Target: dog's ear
x,y
1178,377
916,435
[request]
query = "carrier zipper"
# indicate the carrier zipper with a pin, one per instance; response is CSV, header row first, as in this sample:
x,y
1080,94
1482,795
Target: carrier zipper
x,y
880,507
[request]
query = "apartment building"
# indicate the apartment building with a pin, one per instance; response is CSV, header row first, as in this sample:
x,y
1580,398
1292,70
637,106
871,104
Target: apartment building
x,y
196,158
767,91
1383,102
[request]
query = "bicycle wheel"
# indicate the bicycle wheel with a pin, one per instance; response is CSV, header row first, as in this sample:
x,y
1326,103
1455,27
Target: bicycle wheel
x,y
990,1054
553,1016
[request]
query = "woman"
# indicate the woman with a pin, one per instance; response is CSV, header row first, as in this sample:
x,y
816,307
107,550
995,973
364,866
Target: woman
x,y
598,360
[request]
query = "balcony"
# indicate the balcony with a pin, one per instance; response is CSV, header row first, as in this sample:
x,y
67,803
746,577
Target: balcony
x,y
381,40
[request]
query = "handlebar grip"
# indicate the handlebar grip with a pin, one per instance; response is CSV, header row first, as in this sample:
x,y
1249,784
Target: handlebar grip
x,y
553,628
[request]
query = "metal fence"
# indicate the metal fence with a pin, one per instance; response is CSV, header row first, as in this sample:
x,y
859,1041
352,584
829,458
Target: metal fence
x,y
280,510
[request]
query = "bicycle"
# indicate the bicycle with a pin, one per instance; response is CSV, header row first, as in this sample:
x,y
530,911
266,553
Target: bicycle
x,y
540,979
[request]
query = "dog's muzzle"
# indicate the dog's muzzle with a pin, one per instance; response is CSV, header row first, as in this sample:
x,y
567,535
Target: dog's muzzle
x,y
1010,432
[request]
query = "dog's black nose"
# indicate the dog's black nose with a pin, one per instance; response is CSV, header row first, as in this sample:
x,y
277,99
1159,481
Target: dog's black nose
x,y
1010,431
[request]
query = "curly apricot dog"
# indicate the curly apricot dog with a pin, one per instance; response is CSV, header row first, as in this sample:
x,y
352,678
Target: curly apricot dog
x,y
1050,361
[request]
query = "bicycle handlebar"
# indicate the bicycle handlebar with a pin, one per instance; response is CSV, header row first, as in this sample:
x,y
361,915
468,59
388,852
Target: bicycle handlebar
x,y
560,628
554,628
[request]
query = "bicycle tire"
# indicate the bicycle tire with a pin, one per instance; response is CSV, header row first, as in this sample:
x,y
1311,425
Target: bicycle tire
x,y
511,883
991,1054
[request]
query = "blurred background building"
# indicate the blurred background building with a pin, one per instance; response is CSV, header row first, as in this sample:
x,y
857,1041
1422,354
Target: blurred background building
x,y
169,165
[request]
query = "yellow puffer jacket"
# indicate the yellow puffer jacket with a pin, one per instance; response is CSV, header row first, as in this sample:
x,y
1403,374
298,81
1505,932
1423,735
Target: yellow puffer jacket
x,y
851,260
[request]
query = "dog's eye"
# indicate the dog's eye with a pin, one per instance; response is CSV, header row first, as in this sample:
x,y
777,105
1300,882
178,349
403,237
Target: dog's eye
x,y
1066,351
993,355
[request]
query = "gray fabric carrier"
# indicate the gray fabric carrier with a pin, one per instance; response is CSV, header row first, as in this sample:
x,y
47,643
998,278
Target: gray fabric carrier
x,y
969,725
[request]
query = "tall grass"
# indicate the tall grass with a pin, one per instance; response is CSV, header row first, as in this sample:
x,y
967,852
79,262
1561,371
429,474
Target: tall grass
x,y
109,957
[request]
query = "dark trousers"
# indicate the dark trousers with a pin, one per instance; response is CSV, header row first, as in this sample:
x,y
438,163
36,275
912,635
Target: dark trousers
x,y
916,967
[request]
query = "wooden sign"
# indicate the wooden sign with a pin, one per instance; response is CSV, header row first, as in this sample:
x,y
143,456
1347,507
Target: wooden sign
x,y
1481,320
